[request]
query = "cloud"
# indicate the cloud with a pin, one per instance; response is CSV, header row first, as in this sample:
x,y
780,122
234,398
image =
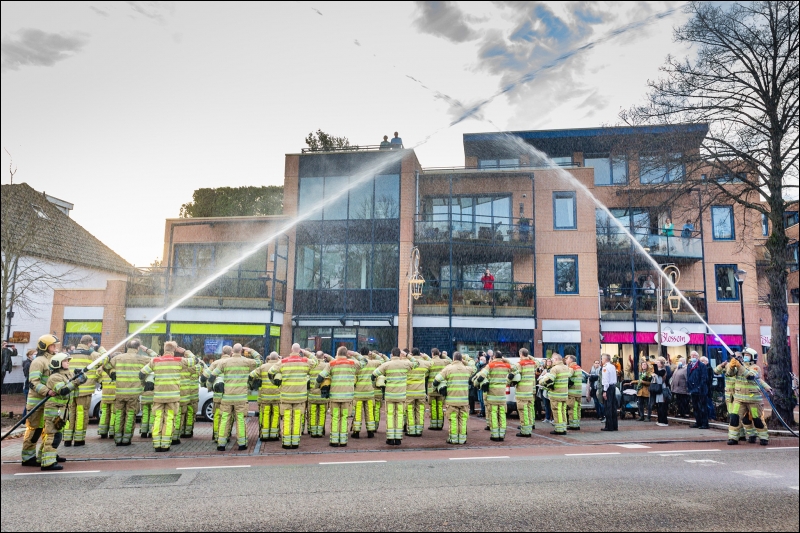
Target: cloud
x,y
155,11
30,46
445,19
100,11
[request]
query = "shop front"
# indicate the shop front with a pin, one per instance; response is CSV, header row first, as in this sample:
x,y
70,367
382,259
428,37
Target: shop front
x,y
328,339
620,345
75,329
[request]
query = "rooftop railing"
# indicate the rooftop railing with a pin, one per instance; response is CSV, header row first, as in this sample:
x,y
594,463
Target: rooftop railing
x,y
354,148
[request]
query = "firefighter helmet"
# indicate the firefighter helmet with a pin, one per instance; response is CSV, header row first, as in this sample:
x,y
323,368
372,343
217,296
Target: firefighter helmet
x,y
45,341
752,353
57,360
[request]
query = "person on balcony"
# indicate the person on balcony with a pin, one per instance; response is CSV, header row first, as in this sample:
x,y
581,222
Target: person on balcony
x,y
396,142
385,144
488,284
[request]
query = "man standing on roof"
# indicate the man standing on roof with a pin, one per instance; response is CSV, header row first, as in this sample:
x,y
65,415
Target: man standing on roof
x,y
396,142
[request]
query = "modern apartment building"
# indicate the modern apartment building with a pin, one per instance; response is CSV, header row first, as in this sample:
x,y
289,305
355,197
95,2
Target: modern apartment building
x,y
565,275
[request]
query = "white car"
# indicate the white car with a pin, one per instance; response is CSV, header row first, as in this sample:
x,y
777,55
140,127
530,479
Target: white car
x,y
205,404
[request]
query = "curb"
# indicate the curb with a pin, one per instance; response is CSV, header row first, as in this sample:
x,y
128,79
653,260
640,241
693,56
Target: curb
x,y
717,425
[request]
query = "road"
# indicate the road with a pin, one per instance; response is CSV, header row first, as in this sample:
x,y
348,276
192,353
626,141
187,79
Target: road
x,y
633,487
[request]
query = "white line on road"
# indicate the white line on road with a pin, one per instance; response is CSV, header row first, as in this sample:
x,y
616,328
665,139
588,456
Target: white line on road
x,y
686,451
703,461
785,448
599,453
210,467
671,454
756,473
351,462
50,473
633,446
471,458
795,487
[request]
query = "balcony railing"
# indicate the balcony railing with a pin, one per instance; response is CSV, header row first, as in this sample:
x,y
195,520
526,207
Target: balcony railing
x,y
506,299
662,246
354,148
237,289
617,305
482,230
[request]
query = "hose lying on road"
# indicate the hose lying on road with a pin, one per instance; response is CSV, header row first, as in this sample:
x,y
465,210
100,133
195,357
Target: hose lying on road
x,y
774,410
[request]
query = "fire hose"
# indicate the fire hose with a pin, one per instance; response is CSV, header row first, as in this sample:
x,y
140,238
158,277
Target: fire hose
x,y
774,410
78,373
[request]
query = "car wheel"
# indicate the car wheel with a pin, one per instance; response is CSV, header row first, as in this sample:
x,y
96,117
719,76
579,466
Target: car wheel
x,y
208,410
96,413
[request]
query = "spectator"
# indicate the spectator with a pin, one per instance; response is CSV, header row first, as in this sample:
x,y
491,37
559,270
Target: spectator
x,y
482,362
609,377
679,389
488,284
26,370
659,377
669,228
643,391
594,378
697,384
688,229
385,144
712,412
9,351
396,142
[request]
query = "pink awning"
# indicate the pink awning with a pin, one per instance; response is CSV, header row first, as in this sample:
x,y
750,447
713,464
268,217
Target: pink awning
x,y
730,340
646,337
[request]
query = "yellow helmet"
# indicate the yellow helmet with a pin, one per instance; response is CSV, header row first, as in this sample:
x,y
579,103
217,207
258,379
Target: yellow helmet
x,y
57,359
45,341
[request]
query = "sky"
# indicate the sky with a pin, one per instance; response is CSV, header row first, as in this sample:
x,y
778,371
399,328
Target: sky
x,y
125,108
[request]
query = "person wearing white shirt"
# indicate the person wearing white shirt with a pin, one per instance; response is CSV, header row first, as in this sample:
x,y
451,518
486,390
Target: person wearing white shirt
x,y
609,393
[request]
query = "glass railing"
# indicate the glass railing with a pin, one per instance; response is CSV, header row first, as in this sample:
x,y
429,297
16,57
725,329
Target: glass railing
x,y
480,230
618,304
665,246
506,299
240,289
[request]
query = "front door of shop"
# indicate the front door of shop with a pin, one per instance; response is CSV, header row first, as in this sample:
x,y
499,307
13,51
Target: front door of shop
x,y
350,344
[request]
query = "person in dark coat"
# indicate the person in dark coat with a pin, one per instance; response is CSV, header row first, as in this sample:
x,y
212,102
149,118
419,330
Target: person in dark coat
x,y
697,383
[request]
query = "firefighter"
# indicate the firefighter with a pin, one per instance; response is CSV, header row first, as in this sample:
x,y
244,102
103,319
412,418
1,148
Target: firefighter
x,y
216,384
105,425
393,374
81,398
235,370
184,424
574,393
416,390
558,375
56,410
364,410
37,378
166,371
194,397
452,385
291,375
125,368
525,382
316,408
436,400
494,379
747,398
268,399
342,373
730,388
146,405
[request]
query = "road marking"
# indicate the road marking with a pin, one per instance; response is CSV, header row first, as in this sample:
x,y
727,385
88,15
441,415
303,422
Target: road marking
x,y
472,458
671,454
351,462
785,448
703,461
50,473
686,451
633,446
757,473
210,467
599,453
795,487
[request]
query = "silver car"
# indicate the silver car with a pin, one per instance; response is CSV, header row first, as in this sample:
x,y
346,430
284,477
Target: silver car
x,y
205,404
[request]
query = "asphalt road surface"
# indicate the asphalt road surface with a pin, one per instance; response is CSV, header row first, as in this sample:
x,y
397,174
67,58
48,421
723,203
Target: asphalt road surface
x,y
619,488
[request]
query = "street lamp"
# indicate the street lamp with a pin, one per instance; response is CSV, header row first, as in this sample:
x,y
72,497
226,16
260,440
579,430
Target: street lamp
x,y
740,275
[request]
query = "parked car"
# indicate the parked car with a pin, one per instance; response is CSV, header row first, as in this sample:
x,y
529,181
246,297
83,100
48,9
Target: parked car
x,y
205,404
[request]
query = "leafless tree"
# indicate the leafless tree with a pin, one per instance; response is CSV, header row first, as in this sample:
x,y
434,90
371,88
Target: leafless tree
x,y
744,84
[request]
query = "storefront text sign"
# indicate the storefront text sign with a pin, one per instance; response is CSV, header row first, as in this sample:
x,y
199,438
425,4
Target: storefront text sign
x,y
670,338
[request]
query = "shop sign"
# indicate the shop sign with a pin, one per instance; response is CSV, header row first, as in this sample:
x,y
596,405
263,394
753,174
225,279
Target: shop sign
x,y
766,340
20,337
672,338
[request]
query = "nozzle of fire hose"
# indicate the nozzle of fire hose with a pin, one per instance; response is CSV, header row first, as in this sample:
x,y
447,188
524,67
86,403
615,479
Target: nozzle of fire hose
x,y
65,391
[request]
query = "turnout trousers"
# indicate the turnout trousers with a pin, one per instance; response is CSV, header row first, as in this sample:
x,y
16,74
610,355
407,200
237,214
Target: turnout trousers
x,y
105,425
164,423
497,420
269,419
437,412
752,411
364,409
292,414
126,409
574,412
458,415
78,419
339,414
148,416
51,438
232,413
34,426
394,420
317,411
559,408
415,413
527,415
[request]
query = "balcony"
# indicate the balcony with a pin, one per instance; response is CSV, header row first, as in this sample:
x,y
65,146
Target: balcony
x,y
486,230
661,247
506,300
617,305
237,289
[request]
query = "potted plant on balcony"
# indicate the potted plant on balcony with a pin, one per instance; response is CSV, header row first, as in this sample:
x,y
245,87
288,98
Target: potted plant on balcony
x,y
527,292
524,229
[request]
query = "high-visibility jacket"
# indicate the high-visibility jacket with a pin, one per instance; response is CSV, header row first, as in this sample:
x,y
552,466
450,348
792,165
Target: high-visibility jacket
x,y
268,392
365,389
235,370
294,377
396,373
38,373
526,386
747,379
438,363
575,381
342,371
209,369
127,366
497,373
415,386
108,385
560,374
56,382
167,373
456,377
82,357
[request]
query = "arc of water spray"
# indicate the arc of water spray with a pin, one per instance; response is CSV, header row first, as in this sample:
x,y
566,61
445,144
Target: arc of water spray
x,y
549,163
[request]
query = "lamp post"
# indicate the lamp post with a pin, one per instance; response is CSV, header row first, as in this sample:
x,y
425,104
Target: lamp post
x,y
740,275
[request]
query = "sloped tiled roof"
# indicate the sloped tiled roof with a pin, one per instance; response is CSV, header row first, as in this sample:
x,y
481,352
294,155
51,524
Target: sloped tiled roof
x,y
58,237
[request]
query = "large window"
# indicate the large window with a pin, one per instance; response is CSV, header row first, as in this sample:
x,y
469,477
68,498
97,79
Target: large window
x,y
608,170
727,288
564,210
566,274
308,267
469,276
655,169
470,213
722,222
764,225
793,257
498,163
374,198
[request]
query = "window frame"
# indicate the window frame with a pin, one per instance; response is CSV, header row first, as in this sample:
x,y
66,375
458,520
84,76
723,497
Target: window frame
x,y
574,196
714,225
665,170
736,294
574,257
610,158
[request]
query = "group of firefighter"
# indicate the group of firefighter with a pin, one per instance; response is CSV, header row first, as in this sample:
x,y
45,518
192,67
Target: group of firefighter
x,y
296,393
